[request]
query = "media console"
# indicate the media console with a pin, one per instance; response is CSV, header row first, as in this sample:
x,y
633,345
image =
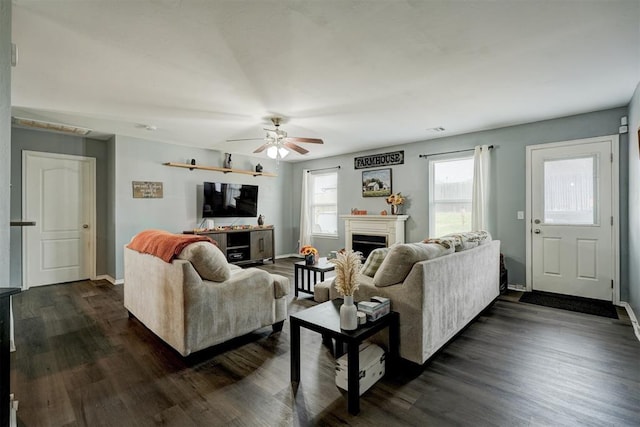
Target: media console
x,y
244,245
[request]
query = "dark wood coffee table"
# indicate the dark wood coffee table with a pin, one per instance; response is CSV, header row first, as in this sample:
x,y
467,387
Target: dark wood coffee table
x,y
322,266
325,319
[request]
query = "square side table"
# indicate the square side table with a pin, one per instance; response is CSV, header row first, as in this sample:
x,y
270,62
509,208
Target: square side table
x,y
325,319
304,280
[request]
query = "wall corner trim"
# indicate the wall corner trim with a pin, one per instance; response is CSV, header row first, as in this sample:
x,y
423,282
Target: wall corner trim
x,y
110,279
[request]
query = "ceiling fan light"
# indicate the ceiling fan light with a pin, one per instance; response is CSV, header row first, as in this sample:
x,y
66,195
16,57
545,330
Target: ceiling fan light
x,y
283,152
272,152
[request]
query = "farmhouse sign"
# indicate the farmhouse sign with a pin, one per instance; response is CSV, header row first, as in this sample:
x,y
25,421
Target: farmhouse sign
x,y
147,190
376,160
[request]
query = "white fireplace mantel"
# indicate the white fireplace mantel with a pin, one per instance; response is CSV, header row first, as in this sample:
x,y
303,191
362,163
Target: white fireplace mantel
x,y
390,226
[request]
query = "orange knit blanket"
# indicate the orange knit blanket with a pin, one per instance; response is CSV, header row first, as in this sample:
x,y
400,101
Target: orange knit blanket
x,y
163,244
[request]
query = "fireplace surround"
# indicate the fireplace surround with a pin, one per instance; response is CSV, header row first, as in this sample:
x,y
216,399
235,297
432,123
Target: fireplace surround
x,y
371,231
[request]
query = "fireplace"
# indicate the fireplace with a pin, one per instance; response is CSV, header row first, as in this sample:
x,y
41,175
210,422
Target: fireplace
x,y
365,233
366,243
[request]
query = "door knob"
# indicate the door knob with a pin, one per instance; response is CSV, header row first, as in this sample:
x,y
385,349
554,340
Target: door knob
x,y
537,221
537,231
85,225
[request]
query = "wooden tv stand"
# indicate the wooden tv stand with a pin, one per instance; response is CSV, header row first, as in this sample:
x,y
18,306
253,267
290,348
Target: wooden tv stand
x,y
243,245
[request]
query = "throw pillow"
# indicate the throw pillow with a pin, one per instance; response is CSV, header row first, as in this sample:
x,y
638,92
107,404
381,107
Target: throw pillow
x,y
374,261
400,259
208,260
447,242
469,239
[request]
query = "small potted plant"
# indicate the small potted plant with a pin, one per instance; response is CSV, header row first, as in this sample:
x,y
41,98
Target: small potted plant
x,y
310,254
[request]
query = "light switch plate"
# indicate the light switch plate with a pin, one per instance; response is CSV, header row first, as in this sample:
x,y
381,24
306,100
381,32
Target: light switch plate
x,y
520,214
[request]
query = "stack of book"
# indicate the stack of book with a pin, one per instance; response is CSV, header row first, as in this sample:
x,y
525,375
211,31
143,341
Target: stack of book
x,y
376,308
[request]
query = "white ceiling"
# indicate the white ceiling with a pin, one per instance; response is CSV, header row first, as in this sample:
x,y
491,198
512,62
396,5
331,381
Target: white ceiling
x,y
359,74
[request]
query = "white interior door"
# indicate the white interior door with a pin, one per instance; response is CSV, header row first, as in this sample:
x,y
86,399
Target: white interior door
x,y
58,192
572,217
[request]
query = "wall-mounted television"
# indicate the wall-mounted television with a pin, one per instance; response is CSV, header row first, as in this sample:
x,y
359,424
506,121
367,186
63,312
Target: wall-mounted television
x,y
224,200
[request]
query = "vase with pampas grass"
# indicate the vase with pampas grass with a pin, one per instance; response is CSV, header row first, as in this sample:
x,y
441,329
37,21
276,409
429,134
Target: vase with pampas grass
x,y
347,268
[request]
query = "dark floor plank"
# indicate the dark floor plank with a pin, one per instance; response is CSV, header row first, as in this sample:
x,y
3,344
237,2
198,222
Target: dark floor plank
x,y
81,361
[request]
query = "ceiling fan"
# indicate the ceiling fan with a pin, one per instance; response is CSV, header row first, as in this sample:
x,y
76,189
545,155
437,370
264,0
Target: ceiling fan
x,y
277,141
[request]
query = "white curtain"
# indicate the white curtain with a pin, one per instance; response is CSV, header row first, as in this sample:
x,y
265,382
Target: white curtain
x,y
305,221
480,198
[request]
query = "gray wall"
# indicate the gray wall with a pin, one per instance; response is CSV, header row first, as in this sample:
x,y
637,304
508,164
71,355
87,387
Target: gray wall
x,y
634,203
34,140
508,180
5,139
179,209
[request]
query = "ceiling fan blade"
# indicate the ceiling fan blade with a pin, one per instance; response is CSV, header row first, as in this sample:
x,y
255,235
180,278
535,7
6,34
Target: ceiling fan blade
x,y
308,140
261,148
245,139
295,147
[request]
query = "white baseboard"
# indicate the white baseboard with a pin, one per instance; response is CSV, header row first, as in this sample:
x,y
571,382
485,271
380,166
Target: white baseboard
x,y
632,316
13,417
110,279
516,287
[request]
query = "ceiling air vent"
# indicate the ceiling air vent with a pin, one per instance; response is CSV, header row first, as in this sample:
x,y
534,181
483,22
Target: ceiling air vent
x,y
53,127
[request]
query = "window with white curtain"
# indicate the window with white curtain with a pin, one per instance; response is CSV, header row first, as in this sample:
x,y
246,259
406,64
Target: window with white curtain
x,y
450,195
323,203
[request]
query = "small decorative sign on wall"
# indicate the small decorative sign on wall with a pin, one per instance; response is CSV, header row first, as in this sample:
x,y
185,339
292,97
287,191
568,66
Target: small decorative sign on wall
x,y
147,190
377,160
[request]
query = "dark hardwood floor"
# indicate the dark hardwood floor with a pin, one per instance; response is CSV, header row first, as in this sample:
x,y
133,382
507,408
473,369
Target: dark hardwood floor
x,y
80,361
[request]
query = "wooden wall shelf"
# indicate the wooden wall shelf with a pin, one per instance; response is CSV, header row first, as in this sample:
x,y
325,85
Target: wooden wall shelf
x,y
217,169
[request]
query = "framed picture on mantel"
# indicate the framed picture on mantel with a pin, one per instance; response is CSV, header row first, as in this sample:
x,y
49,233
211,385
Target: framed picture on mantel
x,y
376,183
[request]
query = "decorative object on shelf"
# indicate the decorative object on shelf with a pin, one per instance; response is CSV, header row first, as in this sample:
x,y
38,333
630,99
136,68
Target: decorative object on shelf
x,y
383,212
258,168
310,254
356,211
192,162
396,201
347,267
227,160
260,220
376,183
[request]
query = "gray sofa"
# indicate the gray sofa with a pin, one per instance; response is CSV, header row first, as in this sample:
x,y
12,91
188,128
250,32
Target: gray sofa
x,y
191,313
442,292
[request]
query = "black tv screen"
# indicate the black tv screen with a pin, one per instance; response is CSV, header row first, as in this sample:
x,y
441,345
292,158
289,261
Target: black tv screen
x,y
229,200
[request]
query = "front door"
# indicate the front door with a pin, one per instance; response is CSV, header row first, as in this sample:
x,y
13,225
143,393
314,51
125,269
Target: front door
x,y
58,192
571,217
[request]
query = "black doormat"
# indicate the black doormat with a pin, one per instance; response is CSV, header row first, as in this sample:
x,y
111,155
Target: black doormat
x,y
571,303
